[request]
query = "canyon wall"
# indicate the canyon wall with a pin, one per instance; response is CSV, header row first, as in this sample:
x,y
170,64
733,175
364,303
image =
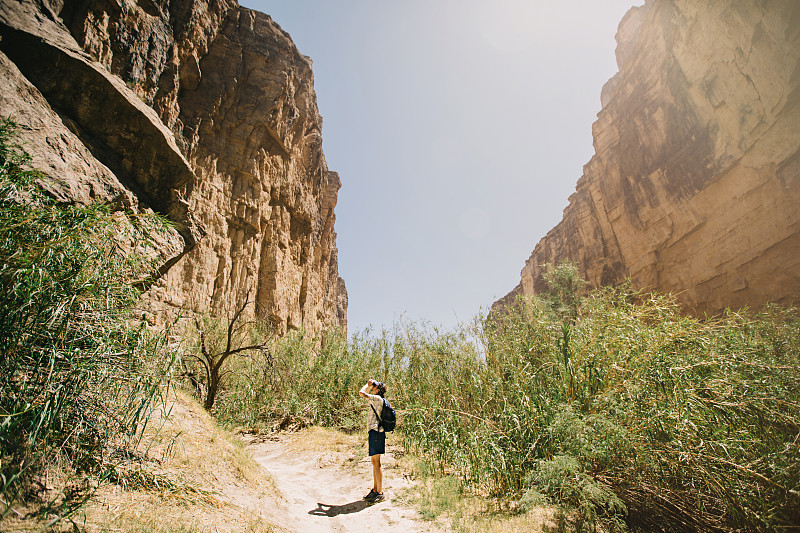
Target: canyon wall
x,y
202,111
694,187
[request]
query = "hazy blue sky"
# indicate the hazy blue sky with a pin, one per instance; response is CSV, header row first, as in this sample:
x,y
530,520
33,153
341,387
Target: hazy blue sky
x,y
459,129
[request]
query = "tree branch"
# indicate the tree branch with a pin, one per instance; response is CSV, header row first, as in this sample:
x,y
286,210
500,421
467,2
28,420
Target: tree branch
x,y
233,322
224,356
202,362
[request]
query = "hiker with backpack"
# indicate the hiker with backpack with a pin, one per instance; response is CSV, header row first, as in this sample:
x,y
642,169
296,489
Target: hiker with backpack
x,y
380,419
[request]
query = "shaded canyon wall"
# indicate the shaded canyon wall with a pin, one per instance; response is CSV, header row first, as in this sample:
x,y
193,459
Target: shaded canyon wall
x,y
694,187
200,110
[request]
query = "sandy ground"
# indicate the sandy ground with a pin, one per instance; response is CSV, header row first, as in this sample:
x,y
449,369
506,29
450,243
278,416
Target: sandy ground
x,y
323,480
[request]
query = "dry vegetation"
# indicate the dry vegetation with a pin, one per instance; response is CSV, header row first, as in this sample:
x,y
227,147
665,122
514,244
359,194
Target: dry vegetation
x,y
213,483
187,475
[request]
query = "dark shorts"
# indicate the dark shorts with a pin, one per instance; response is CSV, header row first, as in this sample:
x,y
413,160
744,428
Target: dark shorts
x,y
377,442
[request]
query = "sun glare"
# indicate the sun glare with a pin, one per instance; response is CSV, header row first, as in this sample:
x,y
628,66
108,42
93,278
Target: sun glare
x,y
511,25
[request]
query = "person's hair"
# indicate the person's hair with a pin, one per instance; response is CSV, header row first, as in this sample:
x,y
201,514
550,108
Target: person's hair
x,y
381,388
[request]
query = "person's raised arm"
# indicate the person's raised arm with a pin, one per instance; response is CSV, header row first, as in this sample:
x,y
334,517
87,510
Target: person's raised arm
x,y
363,391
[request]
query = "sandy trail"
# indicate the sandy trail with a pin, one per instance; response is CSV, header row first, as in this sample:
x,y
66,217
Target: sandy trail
x,y
323,483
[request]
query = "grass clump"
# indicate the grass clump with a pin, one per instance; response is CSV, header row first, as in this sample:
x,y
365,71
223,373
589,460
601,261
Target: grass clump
x,y
77,382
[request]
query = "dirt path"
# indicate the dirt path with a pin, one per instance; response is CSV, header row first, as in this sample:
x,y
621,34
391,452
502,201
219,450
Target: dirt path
x,y
323,477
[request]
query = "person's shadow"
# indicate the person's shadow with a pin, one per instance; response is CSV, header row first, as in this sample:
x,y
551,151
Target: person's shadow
x,y
323,509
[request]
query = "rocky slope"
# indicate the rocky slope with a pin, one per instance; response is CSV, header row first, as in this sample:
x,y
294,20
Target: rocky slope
x,y
201,110
694,187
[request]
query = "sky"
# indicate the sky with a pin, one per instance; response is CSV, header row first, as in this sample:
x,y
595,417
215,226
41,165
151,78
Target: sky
x,y
459,128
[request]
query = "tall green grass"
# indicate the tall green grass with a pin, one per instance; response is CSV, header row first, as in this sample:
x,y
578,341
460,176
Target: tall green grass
x,y
76,373
615,407
630,413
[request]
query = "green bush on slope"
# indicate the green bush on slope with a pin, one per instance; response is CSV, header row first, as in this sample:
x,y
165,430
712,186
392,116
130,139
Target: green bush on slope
x,y
73,373
630,410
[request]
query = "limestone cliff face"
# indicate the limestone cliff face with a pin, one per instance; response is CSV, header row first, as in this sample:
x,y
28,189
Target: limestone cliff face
x,y
694,187
203,111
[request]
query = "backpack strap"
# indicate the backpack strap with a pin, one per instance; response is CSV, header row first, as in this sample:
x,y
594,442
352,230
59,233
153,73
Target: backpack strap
x,y
380,420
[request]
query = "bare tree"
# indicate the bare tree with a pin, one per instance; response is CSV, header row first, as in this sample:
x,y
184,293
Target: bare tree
x,y
212,362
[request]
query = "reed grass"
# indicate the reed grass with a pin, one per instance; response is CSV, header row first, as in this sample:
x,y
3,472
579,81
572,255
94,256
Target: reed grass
x,y
78,377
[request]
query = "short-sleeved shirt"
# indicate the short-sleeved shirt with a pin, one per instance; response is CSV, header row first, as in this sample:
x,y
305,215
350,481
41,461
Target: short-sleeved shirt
x,y
372,420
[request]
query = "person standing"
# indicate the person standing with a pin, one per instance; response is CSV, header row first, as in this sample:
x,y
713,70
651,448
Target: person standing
x,y
374,391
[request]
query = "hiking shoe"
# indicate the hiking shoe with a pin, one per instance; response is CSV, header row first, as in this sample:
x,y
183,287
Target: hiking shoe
x,y
371,495
376,498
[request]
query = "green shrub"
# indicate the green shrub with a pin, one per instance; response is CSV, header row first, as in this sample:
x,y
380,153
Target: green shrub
x,y
647,415
75,371
565,481
313,378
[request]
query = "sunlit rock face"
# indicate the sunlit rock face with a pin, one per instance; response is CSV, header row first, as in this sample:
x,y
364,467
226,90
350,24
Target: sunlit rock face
x,y
202,111
694,187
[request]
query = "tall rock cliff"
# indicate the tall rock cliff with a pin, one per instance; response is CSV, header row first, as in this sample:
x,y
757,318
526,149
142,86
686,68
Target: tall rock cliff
x,y
694,187
201,110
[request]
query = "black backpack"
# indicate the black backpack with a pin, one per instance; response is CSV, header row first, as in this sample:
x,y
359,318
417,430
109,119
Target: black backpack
x,y
389,419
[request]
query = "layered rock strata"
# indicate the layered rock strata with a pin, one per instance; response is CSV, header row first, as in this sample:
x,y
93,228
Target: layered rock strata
x,y
694,187
202,111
